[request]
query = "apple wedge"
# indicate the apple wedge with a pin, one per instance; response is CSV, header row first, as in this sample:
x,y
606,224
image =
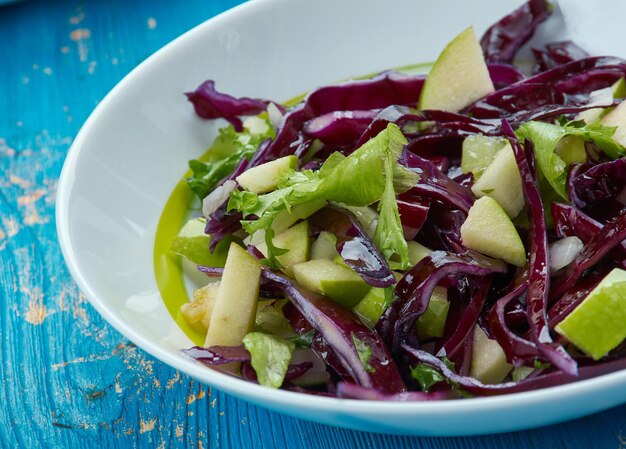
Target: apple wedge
x,y
490,231
297,243
236,301
502,182
459,76
264,178
617,117
598,324
489,363
338,282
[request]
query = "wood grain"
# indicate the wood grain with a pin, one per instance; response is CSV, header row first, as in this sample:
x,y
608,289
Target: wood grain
x,y
68,379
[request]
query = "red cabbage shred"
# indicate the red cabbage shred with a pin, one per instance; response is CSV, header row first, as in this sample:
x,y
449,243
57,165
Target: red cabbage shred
x,y
517,307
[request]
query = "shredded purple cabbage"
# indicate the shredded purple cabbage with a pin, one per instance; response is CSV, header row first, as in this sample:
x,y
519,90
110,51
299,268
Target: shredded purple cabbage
x,y
557,53
600,191
612,235
503,39
518,307
475,387
503,75
416,286
539,272
211,104
340,328
355,247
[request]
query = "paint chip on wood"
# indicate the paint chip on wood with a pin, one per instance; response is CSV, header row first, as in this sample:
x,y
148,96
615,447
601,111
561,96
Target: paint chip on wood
x,y
78,18
146,426
36,313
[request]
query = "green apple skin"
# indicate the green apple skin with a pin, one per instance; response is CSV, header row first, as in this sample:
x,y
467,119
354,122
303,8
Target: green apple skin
x,y
325,246
236,301
478,152
489,363
619,88
598,324
417,252
502,182
193,244
337,282
490,231
459,76
297,243
265,177
433,321
372,306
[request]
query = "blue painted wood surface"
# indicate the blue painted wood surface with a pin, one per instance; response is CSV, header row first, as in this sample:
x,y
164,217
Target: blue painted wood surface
x,y
69,379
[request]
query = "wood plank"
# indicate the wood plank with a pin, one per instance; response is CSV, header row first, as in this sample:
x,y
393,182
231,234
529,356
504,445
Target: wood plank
x,y
68,379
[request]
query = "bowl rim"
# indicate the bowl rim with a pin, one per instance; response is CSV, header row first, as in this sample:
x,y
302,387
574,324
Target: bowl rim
x,y
242,388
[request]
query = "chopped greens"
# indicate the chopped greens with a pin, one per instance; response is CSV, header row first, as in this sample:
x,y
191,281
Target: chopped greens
x,y
270,357
359,179
229,148
409,254
426,376
545,138
364,352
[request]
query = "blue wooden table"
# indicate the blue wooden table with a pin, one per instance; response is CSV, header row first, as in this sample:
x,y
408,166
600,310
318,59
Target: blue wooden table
x,y
68,378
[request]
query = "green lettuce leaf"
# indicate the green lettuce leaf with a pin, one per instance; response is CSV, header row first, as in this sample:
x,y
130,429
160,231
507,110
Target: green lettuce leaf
x,y
270,357
192,243
270,318
359,179
426,376
546,136
228,149
389,236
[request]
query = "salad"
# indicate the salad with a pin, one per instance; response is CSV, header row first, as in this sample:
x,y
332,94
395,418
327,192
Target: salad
x,y
418,237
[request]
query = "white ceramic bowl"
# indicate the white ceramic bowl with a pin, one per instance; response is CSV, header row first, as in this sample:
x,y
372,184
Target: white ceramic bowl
x,y
134,148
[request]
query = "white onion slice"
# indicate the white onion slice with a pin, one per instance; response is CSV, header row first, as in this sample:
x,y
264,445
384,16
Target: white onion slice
x,y
601,97
563,252
217,197
274,114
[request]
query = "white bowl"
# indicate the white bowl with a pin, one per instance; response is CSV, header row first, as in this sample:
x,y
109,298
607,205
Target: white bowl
x,y
134,148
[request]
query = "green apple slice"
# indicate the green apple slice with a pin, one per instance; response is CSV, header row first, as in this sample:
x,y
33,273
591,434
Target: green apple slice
x,y
297,243
417,252
489,230
325,246
489,363
372,306
236,302
459,76
595,114
502,182
433,321
339,283
478,152
617,117
598,324
285,219
264,178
